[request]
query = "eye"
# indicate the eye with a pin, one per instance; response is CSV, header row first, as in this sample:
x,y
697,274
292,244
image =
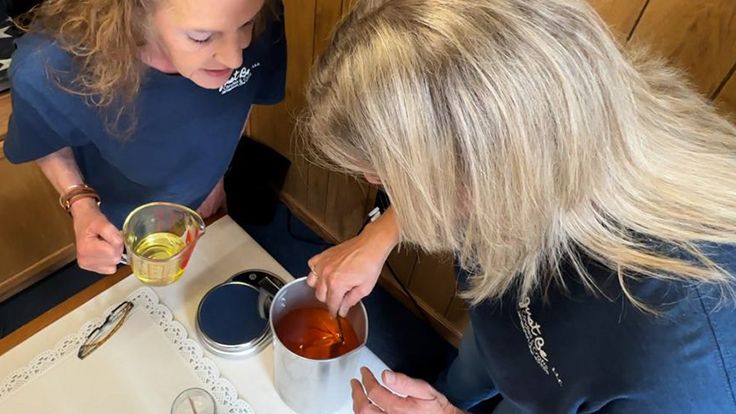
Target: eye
x,y
199,37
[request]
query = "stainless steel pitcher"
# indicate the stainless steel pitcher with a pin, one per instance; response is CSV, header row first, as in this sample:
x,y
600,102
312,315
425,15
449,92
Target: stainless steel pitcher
x,y
311,386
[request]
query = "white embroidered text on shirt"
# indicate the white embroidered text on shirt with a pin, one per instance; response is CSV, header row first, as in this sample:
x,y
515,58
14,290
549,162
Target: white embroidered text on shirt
x,y
239,78
533,333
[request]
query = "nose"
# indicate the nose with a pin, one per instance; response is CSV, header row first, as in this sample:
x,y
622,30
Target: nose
x,y
230,52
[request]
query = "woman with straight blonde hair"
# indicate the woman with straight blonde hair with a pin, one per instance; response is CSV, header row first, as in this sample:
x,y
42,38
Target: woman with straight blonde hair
x,y
588,192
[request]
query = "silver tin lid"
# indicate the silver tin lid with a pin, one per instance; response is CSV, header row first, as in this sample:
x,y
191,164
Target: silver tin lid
x,y
232,317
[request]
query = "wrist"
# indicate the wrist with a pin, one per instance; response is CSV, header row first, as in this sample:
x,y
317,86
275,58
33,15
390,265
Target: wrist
x,y
83,206
77,193
384,232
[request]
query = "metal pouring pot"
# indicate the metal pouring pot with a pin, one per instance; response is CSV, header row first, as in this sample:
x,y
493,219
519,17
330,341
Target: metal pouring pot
x,y
313,386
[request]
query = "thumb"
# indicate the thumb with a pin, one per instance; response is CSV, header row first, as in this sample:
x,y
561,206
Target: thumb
x,y
411,387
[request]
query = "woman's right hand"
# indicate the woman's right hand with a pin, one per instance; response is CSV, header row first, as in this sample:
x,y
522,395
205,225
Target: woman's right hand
x,y
344,274
99,242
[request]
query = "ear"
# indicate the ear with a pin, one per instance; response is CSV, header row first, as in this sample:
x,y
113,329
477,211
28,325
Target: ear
x,y
372,178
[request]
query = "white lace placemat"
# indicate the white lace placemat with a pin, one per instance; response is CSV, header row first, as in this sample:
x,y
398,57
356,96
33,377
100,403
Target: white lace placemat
x,y
140,369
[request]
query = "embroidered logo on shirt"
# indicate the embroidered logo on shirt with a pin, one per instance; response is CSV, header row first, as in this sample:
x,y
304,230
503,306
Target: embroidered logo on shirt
x,y
239,78
533,333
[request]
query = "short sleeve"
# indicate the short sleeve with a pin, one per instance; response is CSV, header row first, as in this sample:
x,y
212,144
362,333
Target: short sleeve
x,y
273,81
37,126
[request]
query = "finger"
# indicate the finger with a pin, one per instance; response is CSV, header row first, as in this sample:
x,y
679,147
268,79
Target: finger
x,y
377,393
94,253
351,299
406,385
313,262
361,403
312,279
96,267
335,297
320,292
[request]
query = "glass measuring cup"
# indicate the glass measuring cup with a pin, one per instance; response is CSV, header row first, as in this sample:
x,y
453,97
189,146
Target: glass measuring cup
x,y
159,240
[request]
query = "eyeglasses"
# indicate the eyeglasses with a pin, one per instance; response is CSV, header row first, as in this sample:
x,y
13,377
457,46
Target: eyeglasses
x,y
102,333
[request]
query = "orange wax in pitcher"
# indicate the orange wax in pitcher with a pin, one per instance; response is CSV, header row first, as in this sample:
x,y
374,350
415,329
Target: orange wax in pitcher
x,y
314,334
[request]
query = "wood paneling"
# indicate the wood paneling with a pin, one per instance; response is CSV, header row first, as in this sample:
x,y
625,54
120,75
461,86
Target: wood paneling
x,y
5,109
457,314
36,236
621,15
434,280
274,125
697,36
327,14
348,203
402,261
726,99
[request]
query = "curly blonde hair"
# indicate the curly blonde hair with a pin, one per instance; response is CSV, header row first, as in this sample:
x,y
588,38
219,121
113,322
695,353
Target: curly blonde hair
x,y
517,133
104,38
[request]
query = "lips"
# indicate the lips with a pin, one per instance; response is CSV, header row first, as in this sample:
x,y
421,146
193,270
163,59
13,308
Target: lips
x,y
218,73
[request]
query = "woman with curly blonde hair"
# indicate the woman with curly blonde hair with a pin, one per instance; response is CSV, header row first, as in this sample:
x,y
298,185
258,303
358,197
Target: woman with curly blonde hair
x,y
588,192
127,102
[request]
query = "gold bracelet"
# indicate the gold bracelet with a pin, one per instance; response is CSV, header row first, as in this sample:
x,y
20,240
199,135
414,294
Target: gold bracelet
x,y
77,192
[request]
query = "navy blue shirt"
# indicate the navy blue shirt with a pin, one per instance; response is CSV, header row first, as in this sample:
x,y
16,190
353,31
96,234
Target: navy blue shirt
x,y
185,137
578,353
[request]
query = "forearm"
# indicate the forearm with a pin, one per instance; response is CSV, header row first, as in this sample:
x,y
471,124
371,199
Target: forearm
x,y
61,169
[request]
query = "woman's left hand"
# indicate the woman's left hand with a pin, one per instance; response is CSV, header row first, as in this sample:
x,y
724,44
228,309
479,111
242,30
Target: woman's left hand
x,y
420,397
214,201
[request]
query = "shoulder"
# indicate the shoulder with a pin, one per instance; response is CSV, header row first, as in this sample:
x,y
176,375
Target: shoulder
x,y
36,58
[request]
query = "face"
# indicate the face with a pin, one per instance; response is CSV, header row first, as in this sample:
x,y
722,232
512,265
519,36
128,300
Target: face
x,y
203,40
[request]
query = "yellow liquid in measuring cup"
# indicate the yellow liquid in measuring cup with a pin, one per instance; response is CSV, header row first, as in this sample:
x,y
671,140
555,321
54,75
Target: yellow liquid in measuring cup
x,y
159,247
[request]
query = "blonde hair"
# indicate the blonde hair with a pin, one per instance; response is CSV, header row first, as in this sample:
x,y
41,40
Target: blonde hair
x,y
104,38
517,133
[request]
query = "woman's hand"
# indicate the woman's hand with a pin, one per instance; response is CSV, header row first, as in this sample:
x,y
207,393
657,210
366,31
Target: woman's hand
x,y
342,275
214,201
99,242
371,397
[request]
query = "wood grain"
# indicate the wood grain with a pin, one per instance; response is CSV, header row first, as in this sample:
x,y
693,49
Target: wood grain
x,y
34,231
5,110
348,202
433,280
457,314
403,260
621,15
698,37
327,14
726,99
435,319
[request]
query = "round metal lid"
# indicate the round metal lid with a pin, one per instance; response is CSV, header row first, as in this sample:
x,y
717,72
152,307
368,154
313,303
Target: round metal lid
x,y
232,318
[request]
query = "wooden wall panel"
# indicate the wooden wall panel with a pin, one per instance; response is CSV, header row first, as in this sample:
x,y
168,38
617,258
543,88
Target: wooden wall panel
x,y
621,15
726,99
274,124
402,261
36,236
327,14
434,281
457,314
697,36
348,203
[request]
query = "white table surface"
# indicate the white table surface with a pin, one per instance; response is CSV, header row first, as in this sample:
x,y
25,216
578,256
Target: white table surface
x,y
224,250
